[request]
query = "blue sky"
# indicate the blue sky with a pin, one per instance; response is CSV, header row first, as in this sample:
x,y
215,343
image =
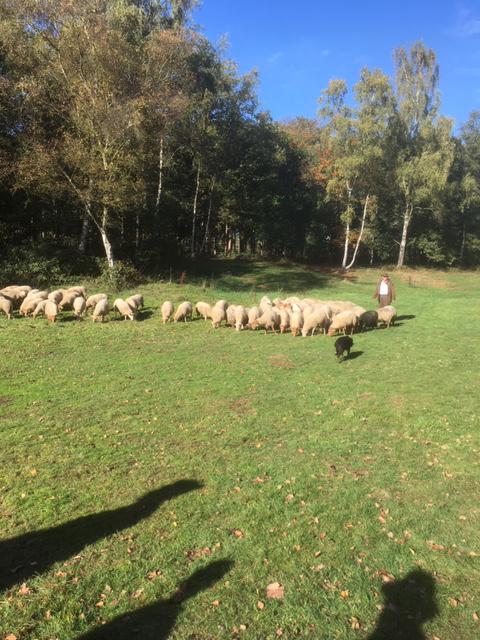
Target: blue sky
x,y
298,45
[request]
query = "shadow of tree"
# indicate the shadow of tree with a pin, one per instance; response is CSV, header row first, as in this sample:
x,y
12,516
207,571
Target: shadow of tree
x,y
409,603
155,621
35,552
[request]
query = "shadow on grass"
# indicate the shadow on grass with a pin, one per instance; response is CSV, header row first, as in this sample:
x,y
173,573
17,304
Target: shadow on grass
x,y
404,318
155,621
409,603
144,314
353,355
35,552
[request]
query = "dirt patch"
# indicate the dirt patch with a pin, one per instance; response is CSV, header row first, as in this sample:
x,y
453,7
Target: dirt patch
x,y
242,406
397,402
5,399
281,361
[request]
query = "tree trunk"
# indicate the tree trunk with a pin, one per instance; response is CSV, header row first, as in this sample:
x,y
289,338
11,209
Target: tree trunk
x,y
82,244
106,242
160,178
347,229
462,246
360,234
208,218
197,187
403,244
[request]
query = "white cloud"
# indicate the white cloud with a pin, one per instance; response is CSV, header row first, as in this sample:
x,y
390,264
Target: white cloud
x,y
467,24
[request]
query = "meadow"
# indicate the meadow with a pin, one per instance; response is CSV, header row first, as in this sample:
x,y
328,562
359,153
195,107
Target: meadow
x,y
176,481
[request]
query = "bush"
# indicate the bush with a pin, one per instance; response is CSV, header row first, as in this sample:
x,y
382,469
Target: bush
x,y
121,276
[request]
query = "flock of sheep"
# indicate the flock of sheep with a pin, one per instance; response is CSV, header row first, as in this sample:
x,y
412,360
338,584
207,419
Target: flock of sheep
x,y
300,316
306,316
32,301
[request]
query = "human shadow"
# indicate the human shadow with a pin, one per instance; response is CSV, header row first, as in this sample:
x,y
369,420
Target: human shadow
x,y
155,621
35,552
409,603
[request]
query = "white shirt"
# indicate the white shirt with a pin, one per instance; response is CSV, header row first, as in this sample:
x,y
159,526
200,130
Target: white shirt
x,y
383,288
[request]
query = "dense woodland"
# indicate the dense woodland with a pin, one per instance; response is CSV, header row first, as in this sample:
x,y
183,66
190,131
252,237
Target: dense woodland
x,y
126,137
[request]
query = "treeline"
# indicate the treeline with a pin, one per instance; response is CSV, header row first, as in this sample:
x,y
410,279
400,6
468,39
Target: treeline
x,y
126,135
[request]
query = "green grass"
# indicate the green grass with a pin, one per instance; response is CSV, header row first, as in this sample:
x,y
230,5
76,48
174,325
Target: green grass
x,y
155,479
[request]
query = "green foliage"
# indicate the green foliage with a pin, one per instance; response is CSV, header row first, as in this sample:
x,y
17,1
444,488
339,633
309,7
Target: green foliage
x,y
121,276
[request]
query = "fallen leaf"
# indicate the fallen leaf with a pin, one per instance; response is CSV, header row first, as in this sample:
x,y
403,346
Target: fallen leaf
x,y
100,603
11,636
137,593
215,603
475,615
289,497
453,602
344,594
24,590
323,535
242,627
275,590
260,605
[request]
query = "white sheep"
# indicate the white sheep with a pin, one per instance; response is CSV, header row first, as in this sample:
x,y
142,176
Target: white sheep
x,y
296,322
387,315
137,298
123,309
241,317
101,310
343,321
223,304
6,305
40,308
51,311
67,300
56,296
80,290
92,300
203,309
317,318
132,303
218,316
230,313
29,306
253,314
270,319
284,319
167,311
79,305
184,310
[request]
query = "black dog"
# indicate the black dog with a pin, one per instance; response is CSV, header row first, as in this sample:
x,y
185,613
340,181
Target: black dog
x,y
345,343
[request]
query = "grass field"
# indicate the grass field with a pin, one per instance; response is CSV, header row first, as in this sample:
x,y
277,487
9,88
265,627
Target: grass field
x,y
156,479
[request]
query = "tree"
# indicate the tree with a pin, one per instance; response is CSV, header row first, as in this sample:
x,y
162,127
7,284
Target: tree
x,y
424,142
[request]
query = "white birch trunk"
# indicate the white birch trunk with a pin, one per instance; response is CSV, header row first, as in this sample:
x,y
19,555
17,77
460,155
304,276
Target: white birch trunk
x,y
160,178
360,234
106,242
197,187
403,243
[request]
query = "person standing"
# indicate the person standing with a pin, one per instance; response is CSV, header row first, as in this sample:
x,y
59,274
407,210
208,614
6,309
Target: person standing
x,y
385,292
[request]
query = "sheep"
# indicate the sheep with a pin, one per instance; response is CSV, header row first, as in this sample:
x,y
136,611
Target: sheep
x,y
137,298
167,311
317,318
15,295
79,305
264,304
51,311
6,305
203,309
67,300
123,309
223,304
367,319
345,343
102,309
40,308
56,296
358,310
183,311
253,314
343,321
218,315
230,313
92,300
296,322
265,300
387,315
284,319
80,290
270,319
241,317
132,303
28,306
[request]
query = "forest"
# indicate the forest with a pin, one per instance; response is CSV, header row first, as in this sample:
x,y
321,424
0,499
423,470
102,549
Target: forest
x,y
128,138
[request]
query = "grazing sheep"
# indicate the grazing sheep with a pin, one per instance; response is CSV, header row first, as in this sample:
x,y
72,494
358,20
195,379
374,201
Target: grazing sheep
x,y
317,318
40,308
253,314
184,310
56,296
358,310
387,315
92,300
241,317
223,304
29,306
123,309
132,303
265,300
51,311
368,319
79,305
284,319
230,313
345,343
67,301
102,309
203,309
6,305
167,311
270,319
296,322
218,316
80,290
343,321
137,299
